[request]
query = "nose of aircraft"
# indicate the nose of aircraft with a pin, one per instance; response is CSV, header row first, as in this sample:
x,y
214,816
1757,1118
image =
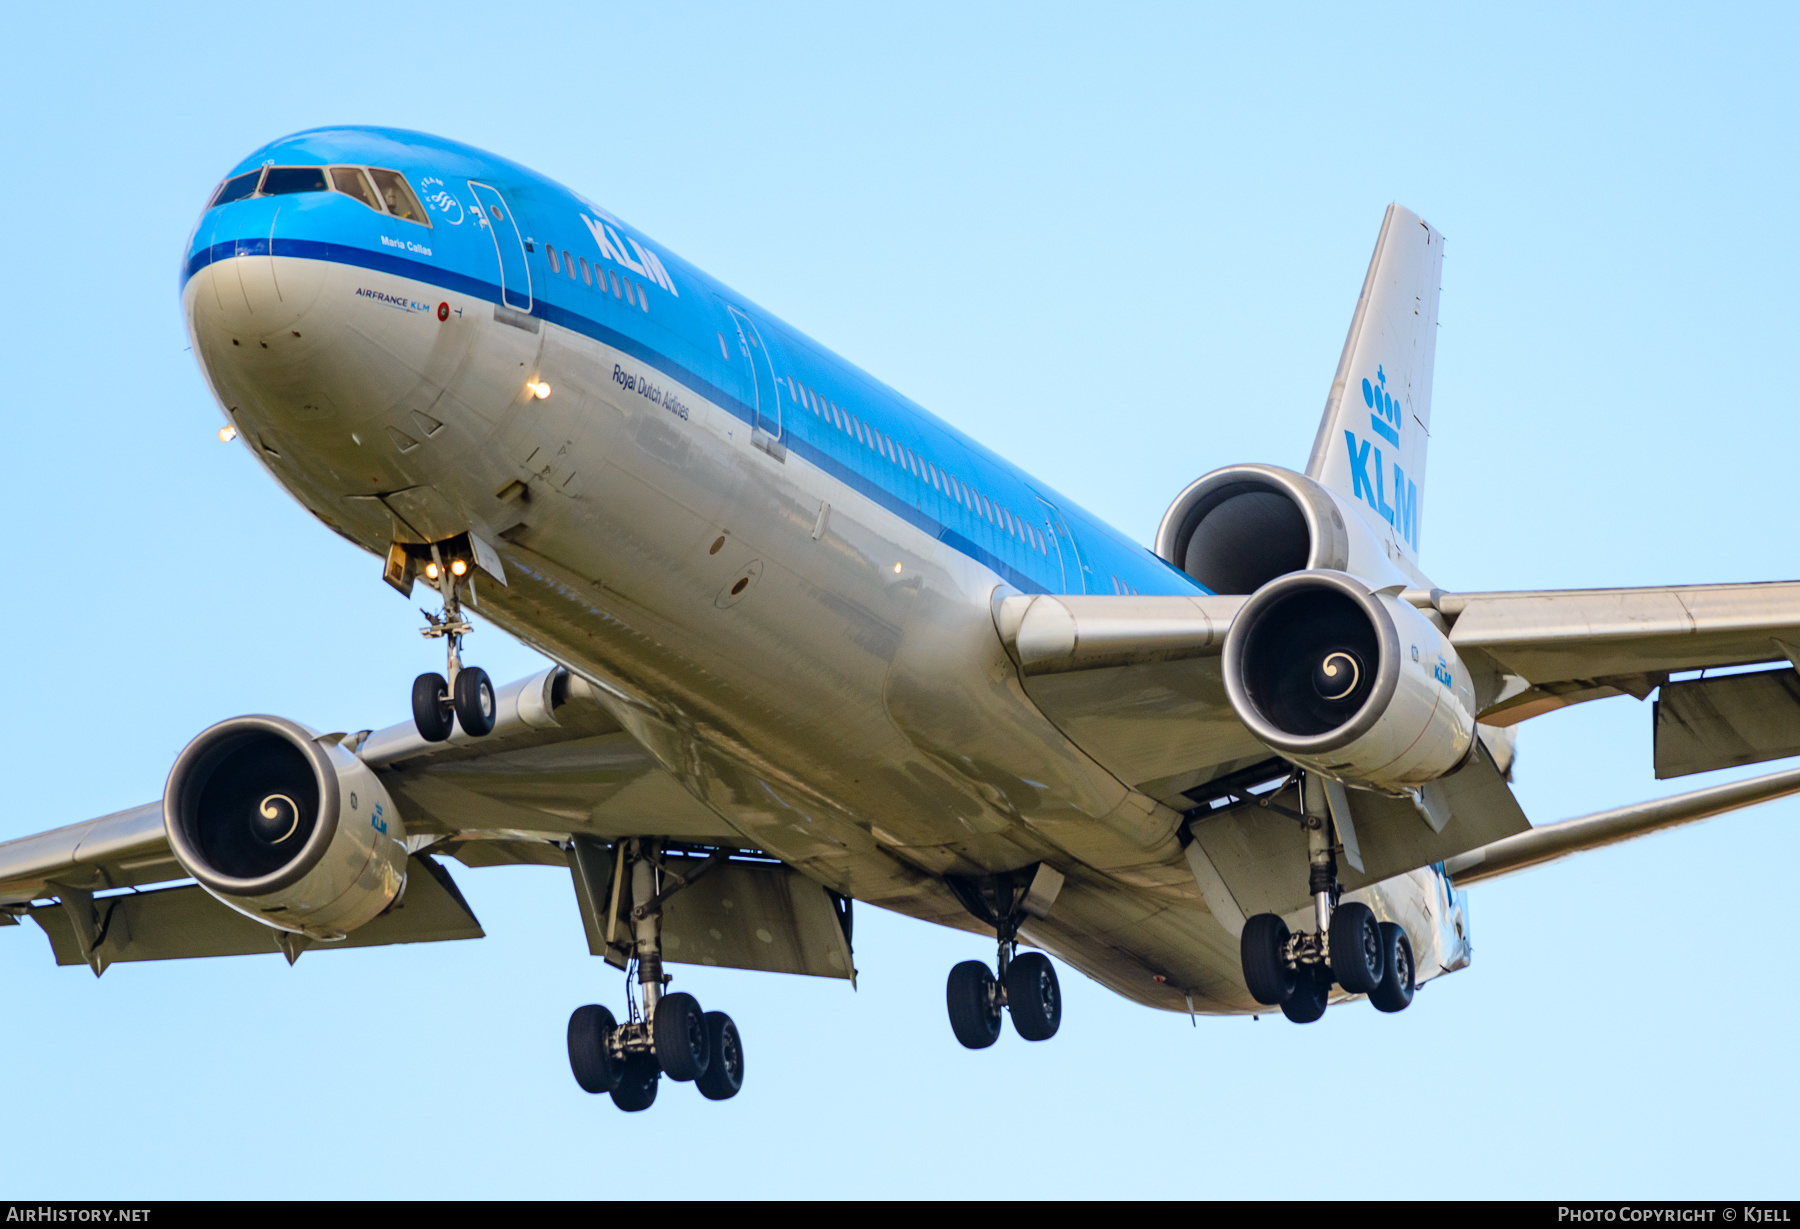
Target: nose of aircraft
x,y
244,295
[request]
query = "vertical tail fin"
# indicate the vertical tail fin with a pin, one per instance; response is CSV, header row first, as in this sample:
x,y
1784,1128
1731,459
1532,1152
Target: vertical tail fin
x,y
1371,442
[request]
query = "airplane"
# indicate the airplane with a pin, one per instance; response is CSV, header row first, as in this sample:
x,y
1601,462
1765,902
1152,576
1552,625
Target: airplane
x,y
814,646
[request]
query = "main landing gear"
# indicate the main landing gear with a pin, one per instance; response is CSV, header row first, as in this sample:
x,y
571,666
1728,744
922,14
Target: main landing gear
x,y
1351,947
1026,985
664,1034
466,698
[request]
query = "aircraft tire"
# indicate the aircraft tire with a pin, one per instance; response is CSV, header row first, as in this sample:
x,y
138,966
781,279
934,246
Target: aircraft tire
x,y
637,1084
724,1074
1266,973
974,1007
680,1035
1395,993
1033,996
475,708
431,713
1356,956
589,1059
1312,990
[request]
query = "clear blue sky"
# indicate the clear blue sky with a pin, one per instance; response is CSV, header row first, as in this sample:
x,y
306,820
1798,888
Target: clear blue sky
x,y
1120,244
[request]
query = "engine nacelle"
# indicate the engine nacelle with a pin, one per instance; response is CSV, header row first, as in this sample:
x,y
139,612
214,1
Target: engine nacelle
x,y
285,828
1354,684
1240,527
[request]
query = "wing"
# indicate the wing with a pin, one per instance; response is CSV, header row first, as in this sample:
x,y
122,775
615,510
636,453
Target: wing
x,y
1137,683
1537,652
557,783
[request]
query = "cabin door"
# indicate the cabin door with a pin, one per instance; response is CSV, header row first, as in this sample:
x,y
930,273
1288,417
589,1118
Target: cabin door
x,y
1074,574
767,414
496,217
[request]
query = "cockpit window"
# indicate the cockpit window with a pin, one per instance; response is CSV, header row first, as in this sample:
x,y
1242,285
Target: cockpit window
x,y
352,182
398,196
283,180
236,188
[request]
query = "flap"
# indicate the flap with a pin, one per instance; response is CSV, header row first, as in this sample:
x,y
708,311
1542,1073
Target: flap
x,y
1724,722
756,915
1258,852
178,923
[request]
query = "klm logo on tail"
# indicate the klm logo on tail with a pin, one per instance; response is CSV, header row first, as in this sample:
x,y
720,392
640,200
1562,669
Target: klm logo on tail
x,y
1386,420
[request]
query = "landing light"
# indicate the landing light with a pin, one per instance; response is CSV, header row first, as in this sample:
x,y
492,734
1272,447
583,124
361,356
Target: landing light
x,y
458,567
227,433
896,569
431,571
538,389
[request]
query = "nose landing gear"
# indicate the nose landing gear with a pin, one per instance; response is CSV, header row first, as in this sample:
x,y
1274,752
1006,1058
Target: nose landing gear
x,y
467,696
665,1034
1350,947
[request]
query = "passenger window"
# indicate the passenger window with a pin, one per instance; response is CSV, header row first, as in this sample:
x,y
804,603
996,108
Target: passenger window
x,y
398,196
589,279
236,188
352,182
284,180
643,301
551,253
569,263
615,282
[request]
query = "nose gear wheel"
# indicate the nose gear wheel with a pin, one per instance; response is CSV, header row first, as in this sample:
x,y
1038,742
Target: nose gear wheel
x,y
466,697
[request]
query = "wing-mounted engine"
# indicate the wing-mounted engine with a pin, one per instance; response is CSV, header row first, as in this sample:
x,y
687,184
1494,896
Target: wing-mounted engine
x,y
1351,683
285,827
1240,527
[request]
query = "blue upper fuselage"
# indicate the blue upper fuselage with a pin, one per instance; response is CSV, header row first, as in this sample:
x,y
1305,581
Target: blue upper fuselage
x,y
564,260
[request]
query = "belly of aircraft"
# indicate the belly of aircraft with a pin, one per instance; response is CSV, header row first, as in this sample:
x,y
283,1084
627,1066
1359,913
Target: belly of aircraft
x,y
830,682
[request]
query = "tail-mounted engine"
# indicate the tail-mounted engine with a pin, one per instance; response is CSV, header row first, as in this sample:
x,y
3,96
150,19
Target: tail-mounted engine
x,y
1240,527
284,827
1354,684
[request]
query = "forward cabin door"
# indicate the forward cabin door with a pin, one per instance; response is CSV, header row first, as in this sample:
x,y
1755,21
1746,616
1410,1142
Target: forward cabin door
x,y
767,415
1067,552
496,216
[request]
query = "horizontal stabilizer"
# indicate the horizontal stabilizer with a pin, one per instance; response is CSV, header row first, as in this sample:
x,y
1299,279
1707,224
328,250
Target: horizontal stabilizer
x,y
1554,841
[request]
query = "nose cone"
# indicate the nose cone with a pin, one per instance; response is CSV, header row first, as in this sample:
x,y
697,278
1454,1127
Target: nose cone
x,y
242,293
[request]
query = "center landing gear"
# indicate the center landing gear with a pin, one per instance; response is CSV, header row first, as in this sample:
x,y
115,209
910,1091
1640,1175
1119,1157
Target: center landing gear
x,y
665,1034
467,696
1026,986
1350,947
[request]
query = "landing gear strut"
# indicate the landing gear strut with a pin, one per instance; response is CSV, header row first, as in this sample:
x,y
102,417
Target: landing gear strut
x,y
1349,947
664,1034
467,696
1026,985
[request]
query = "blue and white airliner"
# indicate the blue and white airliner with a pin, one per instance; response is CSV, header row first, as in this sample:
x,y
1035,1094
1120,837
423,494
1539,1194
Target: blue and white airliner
x,y
815,646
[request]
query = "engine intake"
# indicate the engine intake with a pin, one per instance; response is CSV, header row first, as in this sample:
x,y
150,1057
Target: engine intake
x,y
284,828
1354,684
1238,528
